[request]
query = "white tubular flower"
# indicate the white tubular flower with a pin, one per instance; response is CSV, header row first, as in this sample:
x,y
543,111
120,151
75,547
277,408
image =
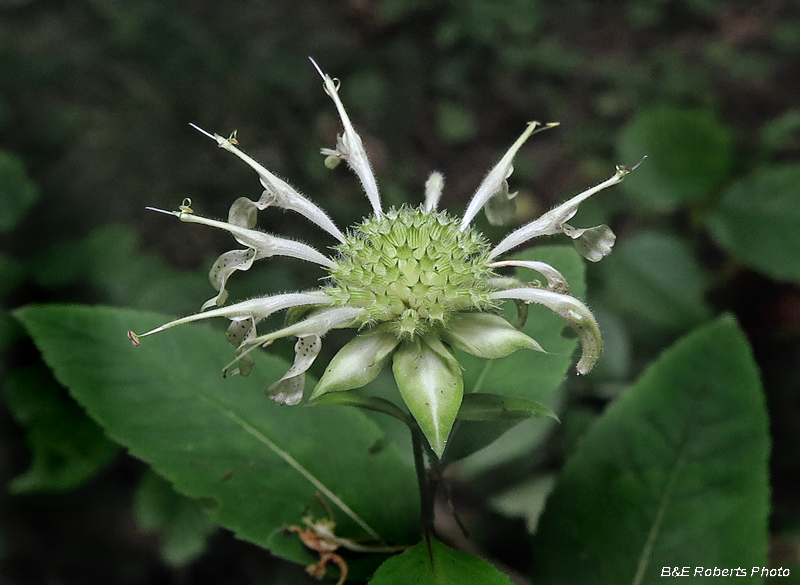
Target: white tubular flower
x,y
413,281
277,192
349,146
495,182
553,221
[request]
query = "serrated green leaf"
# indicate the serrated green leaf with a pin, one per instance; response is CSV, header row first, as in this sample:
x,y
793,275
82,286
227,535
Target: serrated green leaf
x,y
258,463
657,278
437,565
689,154
17,192
756,222
673,474
67,448
182,523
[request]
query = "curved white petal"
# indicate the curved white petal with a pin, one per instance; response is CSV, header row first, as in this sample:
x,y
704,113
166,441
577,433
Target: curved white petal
x,y
555,280
495,180
552,222
264,244
259,308
289,389
278,192
573,311
351,147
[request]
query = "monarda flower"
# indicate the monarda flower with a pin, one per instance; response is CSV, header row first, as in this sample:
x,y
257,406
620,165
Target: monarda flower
x,y
411,281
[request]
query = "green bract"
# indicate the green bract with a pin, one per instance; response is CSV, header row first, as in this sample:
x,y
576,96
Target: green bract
x,y
413,282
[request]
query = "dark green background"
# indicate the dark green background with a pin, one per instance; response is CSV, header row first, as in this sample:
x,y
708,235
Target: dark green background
x,y
95,104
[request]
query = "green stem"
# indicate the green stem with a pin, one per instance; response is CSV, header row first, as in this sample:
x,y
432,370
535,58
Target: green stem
x,y
426,498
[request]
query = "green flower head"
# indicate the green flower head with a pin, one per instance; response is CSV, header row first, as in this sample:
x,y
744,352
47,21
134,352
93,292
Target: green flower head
x,y
413,282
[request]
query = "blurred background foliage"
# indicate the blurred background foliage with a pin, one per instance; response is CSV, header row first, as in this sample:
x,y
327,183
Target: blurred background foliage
x,y
95,101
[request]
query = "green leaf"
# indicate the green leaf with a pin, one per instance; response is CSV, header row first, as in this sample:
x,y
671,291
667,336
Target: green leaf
x,y
689,154
182,523
17,192
657,278
67,448
492,407
437,565
756,222
483,418
257,464
673,474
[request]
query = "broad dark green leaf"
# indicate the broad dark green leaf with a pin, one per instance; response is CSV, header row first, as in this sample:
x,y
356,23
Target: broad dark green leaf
x,y
17,192
181,522
67,448
689,154
437,565
257,464
756,222
656,278
673,474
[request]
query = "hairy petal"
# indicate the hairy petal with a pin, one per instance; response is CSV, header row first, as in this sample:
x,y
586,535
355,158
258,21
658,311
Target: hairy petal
x,y
495,181
289,389
553,221
433,190
259,308
277,191
264,244
555,280
350,147
577,314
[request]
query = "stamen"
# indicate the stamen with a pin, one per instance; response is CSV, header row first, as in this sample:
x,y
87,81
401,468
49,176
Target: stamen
x,y
162,211
199,129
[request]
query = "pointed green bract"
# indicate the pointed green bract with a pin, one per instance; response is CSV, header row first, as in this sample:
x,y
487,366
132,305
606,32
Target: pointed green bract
x,y
674,474
486,335
430,381
358,362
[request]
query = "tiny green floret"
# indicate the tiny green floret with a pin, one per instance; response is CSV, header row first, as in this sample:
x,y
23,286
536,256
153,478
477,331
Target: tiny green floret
x,y
411,268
